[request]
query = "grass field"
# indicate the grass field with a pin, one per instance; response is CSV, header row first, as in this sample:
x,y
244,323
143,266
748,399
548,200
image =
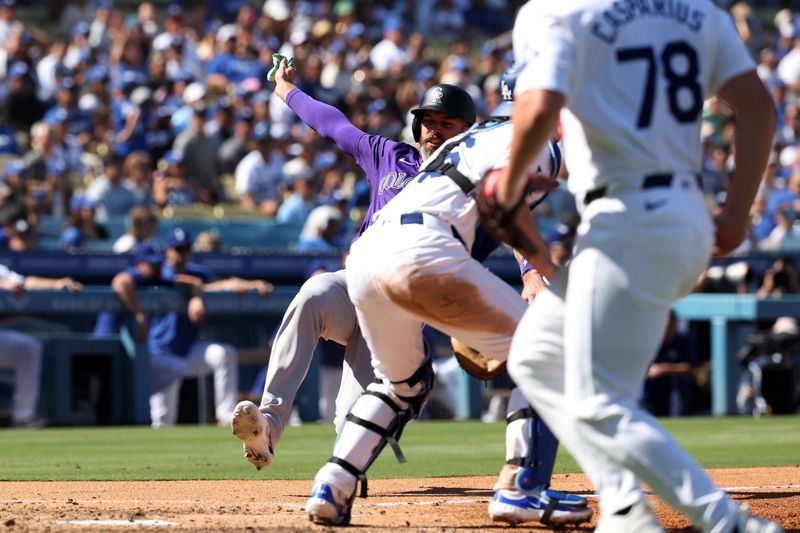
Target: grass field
x,y
435,449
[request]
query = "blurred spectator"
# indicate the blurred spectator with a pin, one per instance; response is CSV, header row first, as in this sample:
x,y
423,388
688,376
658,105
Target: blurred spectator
x,y
200,157
18,233
21,352
170,187
14,181
22,105
137,173
81,226
109,193
76,15
392,48
779,279
8,136
785,200
789,67
669,386
142,227
259,178
43,151
321,230
296,208
715,173
236,147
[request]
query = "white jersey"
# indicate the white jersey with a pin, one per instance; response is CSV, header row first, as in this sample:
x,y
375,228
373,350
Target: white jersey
x,y
647,94
484,148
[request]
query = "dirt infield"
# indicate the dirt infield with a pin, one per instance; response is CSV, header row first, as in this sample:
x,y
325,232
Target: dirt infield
x,y
432,504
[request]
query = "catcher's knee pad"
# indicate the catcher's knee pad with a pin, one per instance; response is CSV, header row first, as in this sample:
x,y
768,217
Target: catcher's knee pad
x,y
379,416
535,447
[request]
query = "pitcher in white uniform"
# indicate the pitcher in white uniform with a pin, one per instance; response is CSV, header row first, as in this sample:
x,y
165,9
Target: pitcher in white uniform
x,y
628,80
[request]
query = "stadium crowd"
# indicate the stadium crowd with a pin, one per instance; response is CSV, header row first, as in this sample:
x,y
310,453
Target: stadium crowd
x,y
170,106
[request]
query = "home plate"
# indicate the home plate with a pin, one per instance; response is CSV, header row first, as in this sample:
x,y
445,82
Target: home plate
x,y
128,523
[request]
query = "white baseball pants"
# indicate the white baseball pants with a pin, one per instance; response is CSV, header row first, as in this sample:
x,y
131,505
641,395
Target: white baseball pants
x,y
399,277
23,354
583,348
204,358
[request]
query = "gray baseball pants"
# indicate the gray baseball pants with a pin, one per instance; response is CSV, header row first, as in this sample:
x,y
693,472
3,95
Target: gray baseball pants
x,y
321,309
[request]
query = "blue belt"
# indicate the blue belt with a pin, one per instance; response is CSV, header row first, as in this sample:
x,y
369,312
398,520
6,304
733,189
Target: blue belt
x,y
417,218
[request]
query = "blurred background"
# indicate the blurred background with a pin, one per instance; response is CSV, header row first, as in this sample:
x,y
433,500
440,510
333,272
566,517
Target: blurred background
x,y
121,121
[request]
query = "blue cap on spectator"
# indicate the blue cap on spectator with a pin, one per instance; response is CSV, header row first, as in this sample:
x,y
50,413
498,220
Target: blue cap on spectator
x,y
147,252
460,63
376,106
104,4
173,157
425,73
57,115
56,166
174,10
392,23
337,47
81,201
178,238
81,28
324,160
355,30
336,197
71,237
14,168
17,69
261,131
97,73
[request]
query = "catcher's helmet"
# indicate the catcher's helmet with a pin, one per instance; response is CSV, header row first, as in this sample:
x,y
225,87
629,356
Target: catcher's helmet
x,y
507,83
447,99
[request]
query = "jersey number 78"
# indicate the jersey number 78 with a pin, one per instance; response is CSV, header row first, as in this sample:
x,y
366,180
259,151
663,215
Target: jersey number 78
x,y
679,81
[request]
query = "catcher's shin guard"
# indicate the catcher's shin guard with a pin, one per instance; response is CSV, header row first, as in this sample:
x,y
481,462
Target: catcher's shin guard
x,y
377,418
530,444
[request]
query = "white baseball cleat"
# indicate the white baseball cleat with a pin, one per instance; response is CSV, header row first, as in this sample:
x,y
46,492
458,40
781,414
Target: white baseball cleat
x,y
639,519
249,425
748,523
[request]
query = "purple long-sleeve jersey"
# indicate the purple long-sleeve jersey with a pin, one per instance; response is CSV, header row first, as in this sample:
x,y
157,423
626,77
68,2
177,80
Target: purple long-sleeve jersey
x,y
387,164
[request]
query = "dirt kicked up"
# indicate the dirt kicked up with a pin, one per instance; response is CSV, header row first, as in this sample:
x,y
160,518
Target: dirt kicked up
x,y
424,504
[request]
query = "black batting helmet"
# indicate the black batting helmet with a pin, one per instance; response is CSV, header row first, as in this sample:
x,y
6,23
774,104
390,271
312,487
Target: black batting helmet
x,y
447,99
507,83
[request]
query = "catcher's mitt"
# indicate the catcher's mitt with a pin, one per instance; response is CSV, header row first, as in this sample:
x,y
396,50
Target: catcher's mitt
x,y
475,363
505,225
